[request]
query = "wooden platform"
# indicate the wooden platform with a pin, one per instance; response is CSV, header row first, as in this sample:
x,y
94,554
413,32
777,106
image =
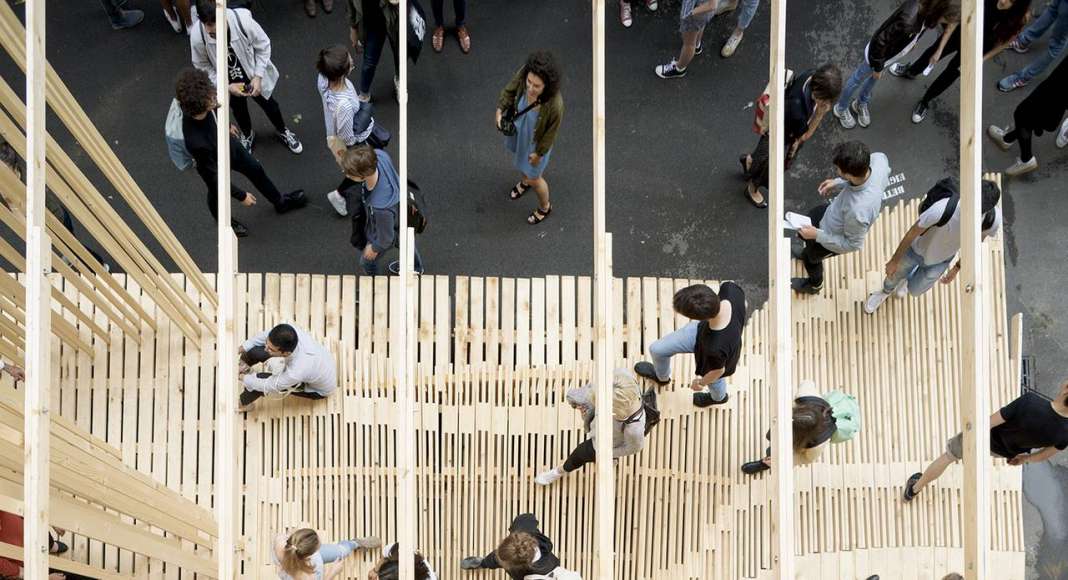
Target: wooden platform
x,y
495,359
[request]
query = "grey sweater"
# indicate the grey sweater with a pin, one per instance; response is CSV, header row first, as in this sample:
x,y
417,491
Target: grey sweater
x,y
853,211
626,439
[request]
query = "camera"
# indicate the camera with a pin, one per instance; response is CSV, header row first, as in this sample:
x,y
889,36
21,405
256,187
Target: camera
x,y
507,126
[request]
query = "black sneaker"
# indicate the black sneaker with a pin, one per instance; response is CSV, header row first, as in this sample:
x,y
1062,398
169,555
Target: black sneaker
x,y
919,112
754,467
805,286
699,49
292,143
291,201
239,229
909,495
670,70
647,370
900,69
704,399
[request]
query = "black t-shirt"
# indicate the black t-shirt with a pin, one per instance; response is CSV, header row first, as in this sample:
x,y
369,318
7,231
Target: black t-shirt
x,y
233,66
1030,423
721,349
799,106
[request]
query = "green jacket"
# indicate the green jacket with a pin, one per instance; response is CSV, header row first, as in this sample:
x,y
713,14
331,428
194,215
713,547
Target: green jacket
x,y
549,115
357,21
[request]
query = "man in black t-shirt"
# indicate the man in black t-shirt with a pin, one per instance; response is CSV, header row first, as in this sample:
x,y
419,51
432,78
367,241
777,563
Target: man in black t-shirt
x,y
1028,430
714,337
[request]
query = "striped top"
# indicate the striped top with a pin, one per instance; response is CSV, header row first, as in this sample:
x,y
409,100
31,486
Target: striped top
x,y
339,107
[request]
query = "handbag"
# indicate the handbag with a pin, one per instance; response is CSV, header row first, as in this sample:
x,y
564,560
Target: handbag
x,y
761,122
508,119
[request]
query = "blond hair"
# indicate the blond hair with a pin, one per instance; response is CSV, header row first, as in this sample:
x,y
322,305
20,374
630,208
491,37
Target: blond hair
x,y
626,395
300,546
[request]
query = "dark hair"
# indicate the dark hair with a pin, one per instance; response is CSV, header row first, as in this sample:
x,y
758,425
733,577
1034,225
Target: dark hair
x,y
811,419
360,161
543,64
333,62
1008,23
389,568
826,83
206,11
194,91
283,337
852,158
516,552
697,302
931,11
953,576
990,194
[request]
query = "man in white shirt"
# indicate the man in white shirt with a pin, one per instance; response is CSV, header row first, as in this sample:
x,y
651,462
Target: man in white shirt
x,y
931,244
308,370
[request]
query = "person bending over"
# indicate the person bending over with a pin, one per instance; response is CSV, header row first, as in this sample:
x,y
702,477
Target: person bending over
x,y
298,365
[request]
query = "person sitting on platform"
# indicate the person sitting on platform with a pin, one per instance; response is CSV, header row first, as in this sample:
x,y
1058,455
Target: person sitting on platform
x,y
628,426
525,550
11,532
1029,423
301,555
15,371
388,566
714,336
306,370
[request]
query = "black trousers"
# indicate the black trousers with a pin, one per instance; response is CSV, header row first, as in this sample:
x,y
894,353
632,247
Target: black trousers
x,y
239,105
814,254
255,356
949,75
1023,136
245,164
758,167
581,455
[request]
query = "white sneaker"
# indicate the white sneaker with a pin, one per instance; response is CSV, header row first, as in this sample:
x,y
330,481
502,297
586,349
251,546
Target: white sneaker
x,y
1062,136
863,113
732,44
338,202
874,301
902,289
175,23
997,135
844,117
548,477
1019,168
368,543
651,5
626,17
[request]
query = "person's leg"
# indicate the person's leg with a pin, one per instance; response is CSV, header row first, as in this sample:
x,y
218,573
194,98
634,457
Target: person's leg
x,y
944,80
372,51
1041,24
924,277
864,94
460,9
689,47
338,551
1024,137
306,395
585,453
248,397
1057,40
541,187
208,174
438,8
114,12
718,389
239,107
272,110
250,167
746,13
934,471
859,76
910,262
678,342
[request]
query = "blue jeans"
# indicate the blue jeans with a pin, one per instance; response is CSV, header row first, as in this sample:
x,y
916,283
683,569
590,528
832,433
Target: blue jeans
x,y
375,25
864,80
746,12
1056,16
370,267
681,341
920,276
334,552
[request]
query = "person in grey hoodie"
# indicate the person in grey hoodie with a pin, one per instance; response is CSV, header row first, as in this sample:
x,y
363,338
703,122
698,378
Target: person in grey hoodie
x,y
839,227
628,424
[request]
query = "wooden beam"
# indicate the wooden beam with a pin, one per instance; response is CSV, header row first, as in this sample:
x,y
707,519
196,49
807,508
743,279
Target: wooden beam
x,y
65,565
405,359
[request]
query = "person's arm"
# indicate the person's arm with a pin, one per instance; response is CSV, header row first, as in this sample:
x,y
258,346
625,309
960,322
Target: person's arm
x,y
490,562
1035,457
850,239
385,231
709,378
258,340
508,95
903,247
996,419
261,43
814,122
552,125
946,33
333,570
199,51
343,123
272,384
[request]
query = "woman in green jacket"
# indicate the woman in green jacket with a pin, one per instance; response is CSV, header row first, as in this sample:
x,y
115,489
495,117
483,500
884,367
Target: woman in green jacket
x,y
532,102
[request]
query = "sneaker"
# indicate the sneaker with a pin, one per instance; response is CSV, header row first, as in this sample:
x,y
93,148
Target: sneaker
x,y
291,141
919,112
471,563
699,48
900,69
248,141
1020,167
670,70
368,543
909,494
902,289
549,477
1018,46
175,23
394,268
732,44
805,286
726,7
338,202
291,201
704,399
844,117
874,301
651,5
625,16
754,467
239,229
997,135
1062,135
647,370
1011,83
128,19
862,113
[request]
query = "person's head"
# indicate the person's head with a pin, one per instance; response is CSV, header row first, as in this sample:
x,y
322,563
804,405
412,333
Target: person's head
x,y
935,12
697,302
194,91
516,552
282,340
1009,19
206,15
359,163
953,576
334,62
388,568
852,159
300,546
626,395
810,420
541,76
826,84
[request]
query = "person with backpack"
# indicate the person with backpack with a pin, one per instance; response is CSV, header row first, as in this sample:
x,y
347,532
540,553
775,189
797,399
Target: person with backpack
x,y
300,555
1039,112
839,227
817,420
713,335
524,551
195,95
894,39
628,426
1054,17
249,68
807,98
1030,429
296,364
929,247
388,566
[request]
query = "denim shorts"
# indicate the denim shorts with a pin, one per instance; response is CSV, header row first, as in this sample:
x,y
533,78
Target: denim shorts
x,y
694,23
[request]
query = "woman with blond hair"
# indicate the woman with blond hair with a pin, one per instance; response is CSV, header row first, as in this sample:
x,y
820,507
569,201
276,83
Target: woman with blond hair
x,y
300,555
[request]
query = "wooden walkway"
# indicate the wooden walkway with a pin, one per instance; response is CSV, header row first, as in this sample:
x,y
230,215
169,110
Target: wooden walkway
x,y
495,357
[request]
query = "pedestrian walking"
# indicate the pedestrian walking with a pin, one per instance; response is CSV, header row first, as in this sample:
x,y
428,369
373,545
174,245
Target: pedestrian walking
x,y
525,550
925,253
745,18
839,227
694,15
298,366
1040,111
388,566
713,335
1054,19
459,9
251,74
301,554
626,11
371,24
529,112
892,41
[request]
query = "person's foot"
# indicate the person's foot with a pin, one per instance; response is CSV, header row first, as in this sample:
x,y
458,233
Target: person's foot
x,y
471,563
844,117
1011,83
1018,46
647,370
755,196
175,23
239,229
732,44
874,301
705,399
291,141
549,477
248,141
997,135
902,289
337,201
862,112
909,494
57,547
370,542
651,5
310,9
291,201
363,98
754,467
626,14
394,268
464,38
128,19
900,69
726,7
805,286
919,112
1021,167
1062,135
670,70
697,50
437,39
328,6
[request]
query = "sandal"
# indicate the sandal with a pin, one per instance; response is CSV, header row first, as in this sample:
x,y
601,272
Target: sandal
x,y
538,215
518,191
438,40
763,204
464,38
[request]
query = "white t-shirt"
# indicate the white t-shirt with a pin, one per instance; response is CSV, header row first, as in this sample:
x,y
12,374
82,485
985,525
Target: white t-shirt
x,y
939,244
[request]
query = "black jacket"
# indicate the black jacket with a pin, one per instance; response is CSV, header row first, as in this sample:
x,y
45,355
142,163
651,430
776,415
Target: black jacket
x,y
894,34
547,563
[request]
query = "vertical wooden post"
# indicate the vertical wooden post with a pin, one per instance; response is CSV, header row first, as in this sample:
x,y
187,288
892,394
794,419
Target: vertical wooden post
x,y
38,309
780,343
974,375
226,340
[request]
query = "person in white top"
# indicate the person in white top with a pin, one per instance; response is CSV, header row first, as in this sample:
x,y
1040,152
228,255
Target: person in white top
x,y
388,566
15,371
300,555
301,366
929,247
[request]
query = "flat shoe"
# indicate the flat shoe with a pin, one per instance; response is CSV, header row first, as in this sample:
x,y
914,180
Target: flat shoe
x,y
438,39
760,204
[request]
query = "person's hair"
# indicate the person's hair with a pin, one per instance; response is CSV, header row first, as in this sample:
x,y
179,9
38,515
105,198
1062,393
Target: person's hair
x,y
990,193
333,62
852,158
697,302
932,11
516,552
826,83
206,11
543,64
299,547
1009,22
194,91
360,161
626,395
953,576
810,420
283,337
389,567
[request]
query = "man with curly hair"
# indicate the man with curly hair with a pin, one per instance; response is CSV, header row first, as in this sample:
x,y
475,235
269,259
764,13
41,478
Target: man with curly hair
x,y
525,550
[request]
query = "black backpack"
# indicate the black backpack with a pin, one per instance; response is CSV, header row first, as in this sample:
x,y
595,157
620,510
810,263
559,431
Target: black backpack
x,y
949,188
417,220
652,414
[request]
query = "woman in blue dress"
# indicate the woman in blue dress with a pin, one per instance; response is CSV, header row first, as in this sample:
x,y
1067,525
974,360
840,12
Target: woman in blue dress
x,y
533,103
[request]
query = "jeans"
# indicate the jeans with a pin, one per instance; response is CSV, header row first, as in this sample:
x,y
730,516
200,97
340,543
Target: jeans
x,y
919,276
746,11
459,7
373,45
681,341
335,552
864,80
814,253
370,267
239,105
1056,16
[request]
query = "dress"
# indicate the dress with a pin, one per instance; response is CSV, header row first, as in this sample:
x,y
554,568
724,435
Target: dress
x,y
694,23
521,145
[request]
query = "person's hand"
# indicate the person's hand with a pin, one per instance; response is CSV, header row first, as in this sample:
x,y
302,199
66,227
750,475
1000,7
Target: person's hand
x,y
235,130
1020,459
891,267
59,531
499,115
534,159
354,39
808,233
369,253
826,188
951,275
257,87
237,89
16,372
696,385
249,201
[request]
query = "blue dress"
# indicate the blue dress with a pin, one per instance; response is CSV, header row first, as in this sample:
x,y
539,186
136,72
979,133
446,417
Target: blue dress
x,y
521,145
